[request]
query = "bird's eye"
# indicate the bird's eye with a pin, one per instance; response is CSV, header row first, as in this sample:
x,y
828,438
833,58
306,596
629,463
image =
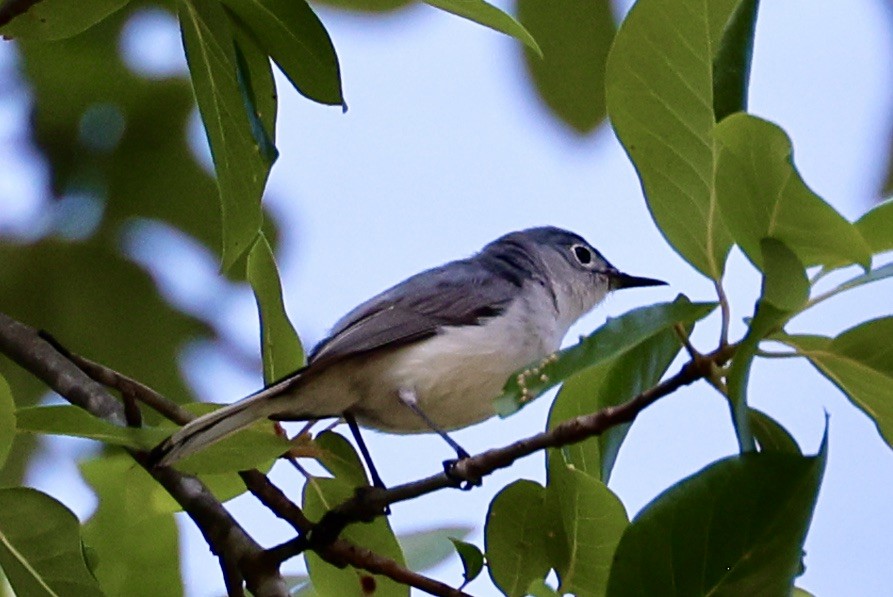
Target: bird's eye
x,y
583,254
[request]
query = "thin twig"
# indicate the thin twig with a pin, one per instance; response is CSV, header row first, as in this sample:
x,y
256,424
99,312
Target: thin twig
x,y
682,334
338,553
223,534
126,385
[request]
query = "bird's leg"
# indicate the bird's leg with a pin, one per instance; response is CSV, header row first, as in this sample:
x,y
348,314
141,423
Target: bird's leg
x,y
408,397
367,457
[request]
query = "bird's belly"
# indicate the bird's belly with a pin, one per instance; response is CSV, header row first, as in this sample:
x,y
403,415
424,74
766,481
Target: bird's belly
x,y
455,375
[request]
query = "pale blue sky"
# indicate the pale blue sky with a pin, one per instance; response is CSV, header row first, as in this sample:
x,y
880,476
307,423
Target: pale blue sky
x,y
443,149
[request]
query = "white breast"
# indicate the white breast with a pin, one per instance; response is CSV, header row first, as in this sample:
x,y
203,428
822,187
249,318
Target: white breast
x,y
458,373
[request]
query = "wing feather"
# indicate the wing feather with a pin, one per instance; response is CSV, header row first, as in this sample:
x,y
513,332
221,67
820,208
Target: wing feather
x,y
417,308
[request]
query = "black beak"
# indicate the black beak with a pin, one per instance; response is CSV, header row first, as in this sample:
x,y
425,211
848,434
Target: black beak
x,y
618,280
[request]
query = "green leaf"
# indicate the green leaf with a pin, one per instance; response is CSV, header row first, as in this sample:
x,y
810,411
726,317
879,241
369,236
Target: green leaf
x,y
515,537
860,363
881,273
770,435
426,549
372,6
255,77
539,588
593,520
731,65
132,530
41,552
241,164
291,33
659,89
339,458
876,227
281,348
472,559
569,76
785,284
73,420
7,420
321,495
57,19
608,384
611,340
249,448
762,195
489,16
735,528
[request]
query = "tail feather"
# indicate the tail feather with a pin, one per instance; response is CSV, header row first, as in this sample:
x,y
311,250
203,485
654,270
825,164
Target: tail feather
x,y
211,428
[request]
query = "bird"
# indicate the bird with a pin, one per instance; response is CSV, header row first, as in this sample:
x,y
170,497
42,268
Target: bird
x,y
433,352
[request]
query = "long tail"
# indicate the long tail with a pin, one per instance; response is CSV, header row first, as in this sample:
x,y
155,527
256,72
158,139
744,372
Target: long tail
x,y
214,426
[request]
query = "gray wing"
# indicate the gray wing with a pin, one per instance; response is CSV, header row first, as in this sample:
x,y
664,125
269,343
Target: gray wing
x,y
460,293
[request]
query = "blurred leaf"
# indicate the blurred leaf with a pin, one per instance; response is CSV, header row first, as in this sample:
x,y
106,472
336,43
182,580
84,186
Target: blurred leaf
x,y
731,64
291,33
735,528
489,16
7,420
339,458
876,227
608,384
40,546
241,165
569,76
148,160
784,284
82,294
428,548
142,494
761,194
472,559
137,547
515,537
614,338
72,420
280,346
57,19
373,6
593,520
860,363
798,592
659,89
770,435
321,495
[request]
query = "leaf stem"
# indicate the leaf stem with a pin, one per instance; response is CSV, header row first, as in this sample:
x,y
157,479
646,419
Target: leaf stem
x,y
725,312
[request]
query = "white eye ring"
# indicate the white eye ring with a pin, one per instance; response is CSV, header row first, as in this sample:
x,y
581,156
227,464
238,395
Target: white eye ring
x,y
582,254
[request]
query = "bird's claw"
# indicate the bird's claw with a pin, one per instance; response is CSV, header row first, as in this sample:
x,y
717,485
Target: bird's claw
x,y
462,482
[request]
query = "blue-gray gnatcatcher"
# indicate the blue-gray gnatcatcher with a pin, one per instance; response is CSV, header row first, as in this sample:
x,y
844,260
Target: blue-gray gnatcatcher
x,y
433,352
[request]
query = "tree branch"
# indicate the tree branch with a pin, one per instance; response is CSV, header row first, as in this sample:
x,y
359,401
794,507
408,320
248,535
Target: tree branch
x,y
369,502
338,553
13,8
23,345
38,356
